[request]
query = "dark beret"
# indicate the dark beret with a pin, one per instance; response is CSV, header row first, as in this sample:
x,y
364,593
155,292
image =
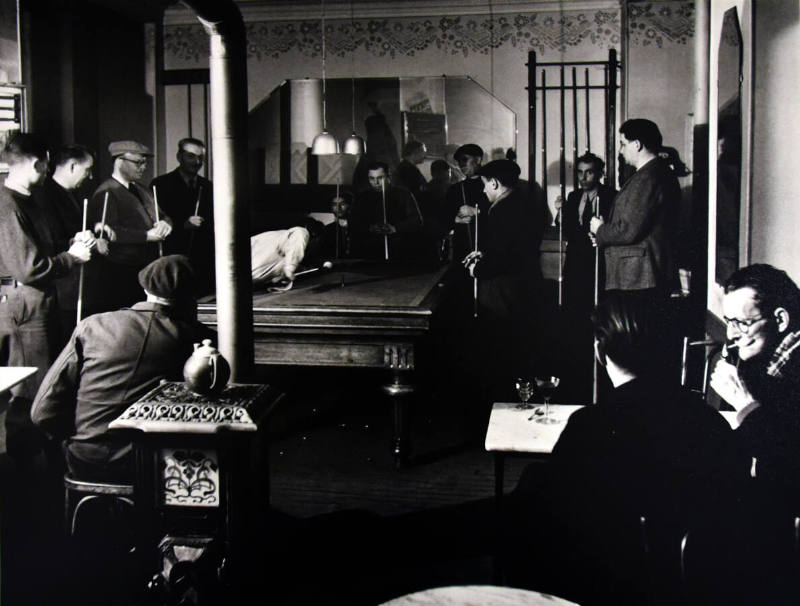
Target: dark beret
x,y
505,171
470,149
170,277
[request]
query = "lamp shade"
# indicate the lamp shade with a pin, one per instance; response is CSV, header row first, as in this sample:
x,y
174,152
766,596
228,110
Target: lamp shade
x,y
324,144
354,145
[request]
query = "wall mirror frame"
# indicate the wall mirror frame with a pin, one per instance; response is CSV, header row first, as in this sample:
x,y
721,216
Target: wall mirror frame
x,y
729,186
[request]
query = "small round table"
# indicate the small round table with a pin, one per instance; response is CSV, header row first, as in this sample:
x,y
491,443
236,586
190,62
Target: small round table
x,y
478,595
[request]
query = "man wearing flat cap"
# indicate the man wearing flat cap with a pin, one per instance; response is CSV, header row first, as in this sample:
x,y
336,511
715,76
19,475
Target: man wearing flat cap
x,y
111,360
463,198
507,268
132,223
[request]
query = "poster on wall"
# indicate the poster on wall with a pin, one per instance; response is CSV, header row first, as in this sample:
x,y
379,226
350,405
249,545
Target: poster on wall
x,y
12,115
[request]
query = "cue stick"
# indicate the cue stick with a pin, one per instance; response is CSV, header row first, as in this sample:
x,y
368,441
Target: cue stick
x,y
103,216
385,236
574,127
475,279
588,135
80,278
338,208
464,203
562,158
196,212
155,205
596,297
544,134
562,173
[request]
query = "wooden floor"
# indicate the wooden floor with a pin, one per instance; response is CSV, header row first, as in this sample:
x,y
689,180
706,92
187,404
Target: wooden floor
x,y
344,526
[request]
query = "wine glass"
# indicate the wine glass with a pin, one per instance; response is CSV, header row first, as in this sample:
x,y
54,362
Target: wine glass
x,y
524,390
547,386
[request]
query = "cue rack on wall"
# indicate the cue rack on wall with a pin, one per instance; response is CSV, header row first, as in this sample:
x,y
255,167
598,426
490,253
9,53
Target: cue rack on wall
x,y
565,97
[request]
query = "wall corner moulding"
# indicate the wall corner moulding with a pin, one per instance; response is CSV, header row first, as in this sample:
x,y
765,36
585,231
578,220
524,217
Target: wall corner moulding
x,y
256,11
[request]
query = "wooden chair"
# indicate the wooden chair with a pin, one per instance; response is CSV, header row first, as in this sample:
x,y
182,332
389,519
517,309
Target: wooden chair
x,y
78,493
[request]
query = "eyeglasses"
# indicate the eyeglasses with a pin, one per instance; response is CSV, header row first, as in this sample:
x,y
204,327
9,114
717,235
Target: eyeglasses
x,y
191,156
142,162
742,326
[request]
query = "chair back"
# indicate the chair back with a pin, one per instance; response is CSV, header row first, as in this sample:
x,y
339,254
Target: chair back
x,y
78,493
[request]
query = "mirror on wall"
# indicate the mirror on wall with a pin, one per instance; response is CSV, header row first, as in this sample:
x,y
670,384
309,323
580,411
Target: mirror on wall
x,y
729,146
443,112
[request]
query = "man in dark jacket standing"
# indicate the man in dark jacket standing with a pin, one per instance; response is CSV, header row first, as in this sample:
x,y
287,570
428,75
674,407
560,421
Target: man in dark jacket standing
x,y
187,198
30,264
133,224
507,268
637,240
111,360
72,166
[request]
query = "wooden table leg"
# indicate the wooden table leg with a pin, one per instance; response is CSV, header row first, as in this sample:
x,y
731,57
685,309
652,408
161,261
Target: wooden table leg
x,y
499,480
399,390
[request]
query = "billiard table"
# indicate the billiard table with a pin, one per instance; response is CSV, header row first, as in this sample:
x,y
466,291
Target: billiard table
x,y
357,314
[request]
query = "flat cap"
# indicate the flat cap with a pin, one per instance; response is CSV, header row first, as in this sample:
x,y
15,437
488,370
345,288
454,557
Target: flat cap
x,y
170,277
505,171
470,149
117,148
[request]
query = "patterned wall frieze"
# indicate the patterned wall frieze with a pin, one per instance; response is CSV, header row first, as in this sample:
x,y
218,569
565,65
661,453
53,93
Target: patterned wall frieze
x,y
660,23
455,35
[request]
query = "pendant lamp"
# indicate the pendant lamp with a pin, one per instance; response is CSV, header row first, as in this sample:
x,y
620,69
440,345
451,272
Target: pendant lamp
x,y
324,143
353,145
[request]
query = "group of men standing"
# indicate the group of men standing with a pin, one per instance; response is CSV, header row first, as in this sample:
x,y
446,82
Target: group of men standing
x,y
61,255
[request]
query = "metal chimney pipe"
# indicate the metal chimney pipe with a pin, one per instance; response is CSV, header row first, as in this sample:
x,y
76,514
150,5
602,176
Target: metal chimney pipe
x,y
223,22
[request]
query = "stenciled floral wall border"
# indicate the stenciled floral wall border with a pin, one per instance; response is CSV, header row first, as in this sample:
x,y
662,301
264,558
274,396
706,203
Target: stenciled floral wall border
x,y
660,23
649,23
460,35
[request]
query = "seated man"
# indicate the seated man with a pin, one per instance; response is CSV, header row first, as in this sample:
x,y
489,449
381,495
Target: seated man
x,y
395,224
651,451
760,378
111,360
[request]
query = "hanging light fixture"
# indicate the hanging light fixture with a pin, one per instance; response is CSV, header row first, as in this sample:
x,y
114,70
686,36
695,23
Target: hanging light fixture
x,y
353,145
324,143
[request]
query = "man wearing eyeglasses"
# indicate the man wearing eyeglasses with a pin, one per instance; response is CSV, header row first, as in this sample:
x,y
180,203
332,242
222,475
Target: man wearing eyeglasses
x,y
187,197
133,225
760,377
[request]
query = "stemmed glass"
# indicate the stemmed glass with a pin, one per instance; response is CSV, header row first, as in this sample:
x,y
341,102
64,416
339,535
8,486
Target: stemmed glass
x,y
524,390
547,385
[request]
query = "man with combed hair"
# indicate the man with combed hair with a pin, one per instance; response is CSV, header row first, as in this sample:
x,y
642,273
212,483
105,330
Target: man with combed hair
x,y
111,360
401,225
637,241
592,198
639,468
187,198
57,197
29,266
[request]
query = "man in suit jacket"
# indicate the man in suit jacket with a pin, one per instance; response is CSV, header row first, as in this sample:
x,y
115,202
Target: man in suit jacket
x,y
637,240
129,221
187,198
592,199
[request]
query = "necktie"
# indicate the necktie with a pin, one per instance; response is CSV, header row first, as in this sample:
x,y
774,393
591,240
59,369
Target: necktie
x,y
132,189
587,211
